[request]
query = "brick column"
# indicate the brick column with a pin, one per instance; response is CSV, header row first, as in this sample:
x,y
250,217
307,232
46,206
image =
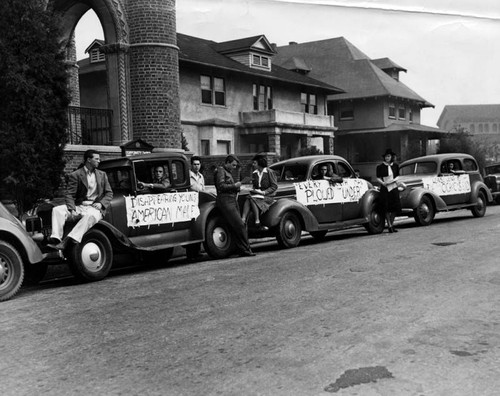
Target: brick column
x,y
154,72
274,144
328,146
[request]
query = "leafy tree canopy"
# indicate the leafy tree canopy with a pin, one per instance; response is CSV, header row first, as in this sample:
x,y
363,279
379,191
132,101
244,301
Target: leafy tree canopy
x,y
34,97
461,141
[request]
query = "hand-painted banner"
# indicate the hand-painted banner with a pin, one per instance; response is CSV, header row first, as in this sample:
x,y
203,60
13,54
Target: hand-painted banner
x,y
321,192
152,209
447,185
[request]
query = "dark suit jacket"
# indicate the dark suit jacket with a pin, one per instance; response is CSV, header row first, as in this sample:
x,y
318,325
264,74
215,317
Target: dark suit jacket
x,y
77,187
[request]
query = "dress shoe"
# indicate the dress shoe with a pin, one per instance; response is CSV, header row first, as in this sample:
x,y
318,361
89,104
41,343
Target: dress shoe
x,y
60,246
53,241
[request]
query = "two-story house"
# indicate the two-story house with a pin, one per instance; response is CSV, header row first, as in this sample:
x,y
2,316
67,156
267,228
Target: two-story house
x,y
376,110
482,122
233,98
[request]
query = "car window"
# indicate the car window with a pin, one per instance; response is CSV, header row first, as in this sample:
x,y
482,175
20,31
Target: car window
x,y
145,172
492,169
119,179
470,165
292,172
419,168
343,170
178,173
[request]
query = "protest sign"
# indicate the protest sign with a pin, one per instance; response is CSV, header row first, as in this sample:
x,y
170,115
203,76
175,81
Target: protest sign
x,y
321,192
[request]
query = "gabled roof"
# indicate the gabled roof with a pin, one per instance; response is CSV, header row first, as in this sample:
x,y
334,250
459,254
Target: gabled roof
x,y
470,112
387,64
96,42
338,62
256,43
198,51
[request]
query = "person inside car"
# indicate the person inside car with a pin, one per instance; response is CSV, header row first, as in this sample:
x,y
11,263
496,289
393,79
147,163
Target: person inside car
x,y
325,174
159,183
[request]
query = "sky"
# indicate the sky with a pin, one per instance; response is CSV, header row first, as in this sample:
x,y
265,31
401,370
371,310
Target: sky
x,y
450,48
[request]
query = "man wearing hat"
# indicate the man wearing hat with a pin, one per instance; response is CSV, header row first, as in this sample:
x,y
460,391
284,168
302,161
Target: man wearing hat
x,y
387,174
227,192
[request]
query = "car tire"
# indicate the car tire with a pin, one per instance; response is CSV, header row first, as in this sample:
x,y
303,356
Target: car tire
x,y
424,213
91,259
319,235
289,231
376,220
219,242
480,209
34,273
11,271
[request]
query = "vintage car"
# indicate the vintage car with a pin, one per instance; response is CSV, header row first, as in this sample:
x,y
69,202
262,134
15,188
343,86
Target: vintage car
x,y
492,180
442,182
317,206
139,220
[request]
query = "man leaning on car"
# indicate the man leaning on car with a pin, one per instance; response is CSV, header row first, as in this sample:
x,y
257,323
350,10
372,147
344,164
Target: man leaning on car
x,y
88,194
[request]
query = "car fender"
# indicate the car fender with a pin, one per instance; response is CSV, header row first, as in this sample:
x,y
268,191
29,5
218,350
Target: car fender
x,y
367,201
16,235
480,186
414,196
278,209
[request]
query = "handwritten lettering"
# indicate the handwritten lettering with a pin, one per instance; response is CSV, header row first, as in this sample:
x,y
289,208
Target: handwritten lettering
x,y
320,192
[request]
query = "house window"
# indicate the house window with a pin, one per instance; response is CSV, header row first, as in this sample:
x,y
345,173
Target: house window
x,y
495,128
96,56
392,110
223,147
308,103
347,111
262,97
261,61
480,128
401,112
410,115
472,128
213,90
205,147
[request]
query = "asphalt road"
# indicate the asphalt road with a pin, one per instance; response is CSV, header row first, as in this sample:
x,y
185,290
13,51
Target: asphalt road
x,y
412,313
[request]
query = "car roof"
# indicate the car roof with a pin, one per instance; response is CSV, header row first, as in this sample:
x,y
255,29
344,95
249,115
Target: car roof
x,y
127,161
309,159
437,158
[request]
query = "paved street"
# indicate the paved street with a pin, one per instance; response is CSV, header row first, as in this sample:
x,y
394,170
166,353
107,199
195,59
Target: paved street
x,y
416,313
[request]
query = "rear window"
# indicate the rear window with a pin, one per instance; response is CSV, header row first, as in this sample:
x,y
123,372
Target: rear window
x,y
291,172
470,165
419,168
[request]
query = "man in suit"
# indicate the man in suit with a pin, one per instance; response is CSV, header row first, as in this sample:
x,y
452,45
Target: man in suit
x,y
88,194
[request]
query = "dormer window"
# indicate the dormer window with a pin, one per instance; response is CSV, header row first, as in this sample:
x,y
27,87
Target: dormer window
x,y
96,56
261,61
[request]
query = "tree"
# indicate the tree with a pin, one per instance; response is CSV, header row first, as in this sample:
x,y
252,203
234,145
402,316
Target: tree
x,y
459,140
35,96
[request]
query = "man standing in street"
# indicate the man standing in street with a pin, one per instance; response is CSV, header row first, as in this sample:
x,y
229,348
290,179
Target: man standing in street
x,y
197,179
227,192
88,194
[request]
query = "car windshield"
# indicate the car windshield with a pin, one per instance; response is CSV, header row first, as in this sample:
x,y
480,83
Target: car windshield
x,y
291,172
419,168
492,169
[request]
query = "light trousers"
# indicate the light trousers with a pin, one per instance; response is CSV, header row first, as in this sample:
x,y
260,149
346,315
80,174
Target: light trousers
x,y
60,214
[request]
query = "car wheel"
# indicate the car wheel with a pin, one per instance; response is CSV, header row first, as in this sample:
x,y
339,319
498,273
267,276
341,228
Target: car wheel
x,y
376,220
11,271
319,235
91,259
34,273
424,213
219,241
480,209
289,231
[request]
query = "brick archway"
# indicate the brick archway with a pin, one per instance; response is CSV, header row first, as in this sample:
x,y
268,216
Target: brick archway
x,y
141,63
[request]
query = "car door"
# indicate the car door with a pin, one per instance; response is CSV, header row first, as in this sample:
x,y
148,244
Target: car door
x,y
454,183
352,190
151,213
324,199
